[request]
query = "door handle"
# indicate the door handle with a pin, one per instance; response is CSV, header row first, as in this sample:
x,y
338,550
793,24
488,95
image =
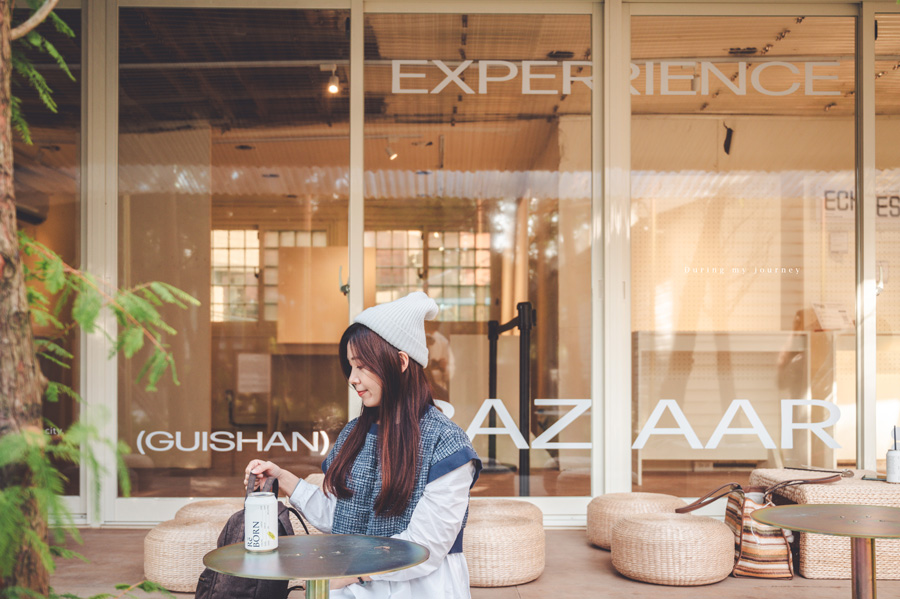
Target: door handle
x,y
879,282
344,287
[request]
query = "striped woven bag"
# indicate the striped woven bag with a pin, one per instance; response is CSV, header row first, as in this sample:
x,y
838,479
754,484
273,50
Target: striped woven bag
x,y
760,550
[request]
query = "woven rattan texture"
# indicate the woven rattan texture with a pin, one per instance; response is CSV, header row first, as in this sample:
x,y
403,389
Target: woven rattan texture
x,y
209,510
672,549
485,508
503,542
826,556
605,510
173,553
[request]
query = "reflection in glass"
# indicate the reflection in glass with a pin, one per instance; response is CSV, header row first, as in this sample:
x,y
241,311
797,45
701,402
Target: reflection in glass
x,y
887,228
489,116
47,181
742,247
233,170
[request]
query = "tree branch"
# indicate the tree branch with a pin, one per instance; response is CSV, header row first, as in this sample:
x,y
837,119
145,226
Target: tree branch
x,y
33,21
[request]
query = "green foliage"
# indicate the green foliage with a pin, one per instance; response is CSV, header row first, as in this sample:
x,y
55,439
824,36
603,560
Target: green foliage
x,y
140,323
25,69
18,120
36,453
32,453
26,450
26,74
34,486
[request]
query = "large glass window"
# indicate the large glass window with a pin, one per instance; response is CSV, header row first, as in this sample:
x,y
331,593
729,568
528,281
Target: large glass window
x,y
743,260
887,231
48,203
478,187
233,183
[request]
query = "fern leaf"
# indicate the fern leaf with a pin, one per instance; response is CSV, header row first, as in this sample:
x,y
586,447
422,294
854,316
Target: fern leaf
x,y
25,68
50,49
18,120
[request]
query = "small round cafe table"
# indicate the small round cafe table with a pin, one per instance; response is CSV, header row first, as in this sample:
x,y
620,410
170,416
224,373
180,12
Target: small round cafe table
x,y
862,523
317,559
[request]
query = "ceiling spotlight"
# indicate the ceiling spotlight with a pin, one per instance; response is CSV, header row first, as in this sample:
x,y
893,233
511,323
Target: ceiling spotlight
x,y
334,84
391,154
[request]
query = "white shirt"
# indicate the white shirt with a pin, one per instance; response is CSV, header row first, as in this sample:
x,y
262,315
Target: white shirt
x,y
435,524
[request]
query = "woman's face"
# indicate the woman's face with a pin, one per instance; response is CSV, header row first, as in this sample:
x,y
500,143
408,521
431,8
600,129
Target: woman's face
x,y
363,381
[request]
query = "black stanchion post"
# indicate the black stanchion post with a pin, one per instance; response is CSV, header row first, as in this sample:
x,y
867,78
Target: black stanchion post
x,y
493,336
526,320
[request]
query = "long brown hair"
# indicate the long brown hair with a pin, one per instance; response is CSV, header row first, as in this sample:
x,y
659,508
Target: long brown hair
x,y
405,396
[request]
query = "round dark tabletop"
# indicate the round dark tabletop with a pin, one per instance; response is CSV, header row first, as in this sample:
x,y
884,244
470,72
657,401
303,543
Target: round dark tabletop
x,y
868,521
318,557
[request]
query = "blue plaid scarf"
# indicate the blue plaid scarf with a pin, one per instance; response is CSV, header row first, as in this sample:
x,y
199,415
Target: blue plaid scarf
x,y
443,447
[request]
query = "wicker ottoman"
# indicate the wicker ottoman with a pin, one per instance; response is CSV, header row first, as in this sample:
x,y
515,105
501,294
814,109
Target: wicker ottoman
x,y
484,508
673,549
173,552
605,510
503,542
826,556
209,510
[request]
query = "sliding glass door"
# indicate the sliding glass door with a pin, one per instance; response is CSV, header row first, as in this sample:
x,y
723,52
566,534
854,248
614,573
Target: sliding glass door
x,y
743,247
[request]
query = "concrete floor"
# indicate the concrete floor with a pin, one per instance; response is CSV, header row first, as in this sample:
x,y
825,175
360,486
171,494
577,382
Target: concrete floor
x,y
574,569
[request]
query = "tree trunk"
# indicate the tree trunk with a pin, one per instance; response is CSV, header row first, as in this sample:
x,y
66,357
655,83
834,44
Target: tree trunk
x,y
21,382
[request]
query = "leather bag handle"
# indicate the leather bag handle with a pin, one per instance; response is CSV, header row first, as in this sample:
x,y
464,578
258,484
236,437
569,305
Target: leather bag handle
x,y
270,485
710,497
729,488
800,481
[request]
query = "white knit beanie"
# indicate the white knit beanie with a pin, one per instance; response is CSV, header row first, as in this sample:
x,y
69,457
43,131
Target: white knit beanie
x,y
402,323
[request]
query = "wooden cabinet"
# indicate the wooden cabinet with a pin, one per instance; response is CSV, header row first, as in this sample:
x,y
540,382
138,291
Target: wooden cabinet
x,y
311,306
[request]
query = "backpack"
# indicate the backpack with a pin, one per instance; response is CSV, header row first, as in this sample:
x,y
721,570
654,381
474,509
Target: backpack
x,y
215,585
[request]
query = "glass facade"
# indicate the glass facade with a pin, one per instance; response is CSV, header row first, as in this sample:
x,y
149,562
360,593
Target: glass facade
x,y
742,244
478,192
47,181
887,232
491,161
233,160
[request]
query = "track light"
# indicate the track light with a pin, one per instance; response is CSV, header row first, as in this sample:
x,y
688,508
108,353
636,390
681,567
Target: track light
x,y
391,153
334,84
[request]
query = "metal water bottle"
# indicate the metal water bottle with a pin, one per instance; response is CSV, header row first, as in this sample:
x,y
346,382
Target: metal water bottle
x,y
892,466
261,521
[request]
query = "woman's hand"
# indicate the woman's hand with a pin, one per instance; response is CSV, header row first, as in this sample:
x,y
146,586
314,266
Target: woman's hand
x,y
261,470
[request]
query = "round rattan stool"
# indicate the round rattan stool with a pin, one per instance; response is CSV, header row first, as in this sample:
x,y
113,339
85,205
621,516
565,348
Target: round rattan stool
x,y
485,508
209,510
673,549
605,510
503,550
173,553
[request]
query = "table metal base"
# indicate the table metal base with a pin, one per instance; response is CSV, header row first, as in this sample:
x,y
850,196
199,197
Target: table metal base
x,y
318,589
862,567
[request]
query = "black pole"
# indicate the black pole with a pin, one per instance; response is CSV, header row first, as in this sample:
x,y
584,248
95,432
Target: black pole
x,y
493,336
526,320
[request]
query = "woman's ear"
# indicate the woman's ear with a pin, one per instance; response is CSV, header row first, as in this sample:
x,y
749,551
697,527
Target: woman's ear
x,y
404,361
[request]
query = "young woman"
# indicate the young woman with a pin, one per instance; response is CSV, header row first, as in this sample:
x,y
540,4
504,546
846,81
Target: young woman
x,y
401,469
